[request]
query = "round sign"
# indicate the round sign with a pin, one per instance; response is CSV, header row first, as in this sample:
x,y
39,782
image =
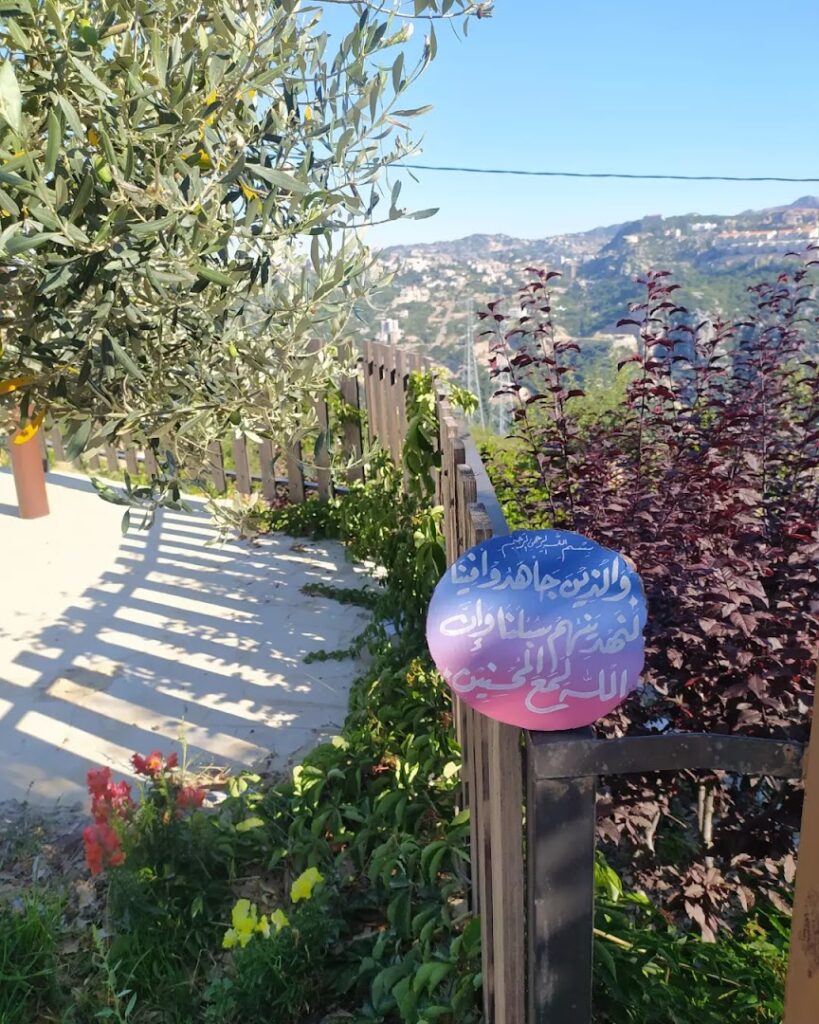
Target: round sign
x,y
542,629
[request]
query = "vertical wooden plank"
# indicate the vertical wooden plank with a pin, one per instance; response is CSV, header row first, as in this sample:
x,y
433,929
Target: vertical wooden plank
x,y
560,821
295,473
131,460
802,987
352,441
508,876
57,445
504,825
402,369
368,371
377,386
390,403
483,856
216,466
150,463
445,499
454,504
111,458
268,469
324,476
243,483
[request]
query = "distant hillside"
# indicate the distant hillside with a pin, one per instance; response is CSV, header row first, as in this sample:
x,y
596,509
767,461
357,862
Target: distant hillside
x,y
438,286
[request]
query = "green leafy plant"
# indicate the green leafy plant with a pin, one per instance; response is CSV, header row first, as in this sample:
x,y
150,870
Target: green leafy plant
x,y
650,972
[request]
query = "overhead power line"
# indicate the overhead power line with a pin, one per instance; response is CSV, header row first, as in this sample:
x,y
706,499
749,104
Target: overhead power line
x,y
596,174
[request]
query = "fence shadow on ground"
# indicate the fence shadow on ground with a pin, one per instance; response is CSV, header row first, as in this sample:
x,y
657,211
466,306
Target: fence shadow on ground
x,y
175,639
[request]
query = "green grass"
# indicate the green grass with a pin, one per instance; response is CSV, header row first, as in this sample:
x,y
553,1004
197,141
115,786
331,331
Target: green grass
x,y
30,925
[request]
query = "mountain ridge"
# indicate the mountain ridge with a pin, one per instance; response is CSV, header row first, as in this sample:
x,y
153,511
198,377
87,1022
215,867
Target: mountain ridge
x,y
436,287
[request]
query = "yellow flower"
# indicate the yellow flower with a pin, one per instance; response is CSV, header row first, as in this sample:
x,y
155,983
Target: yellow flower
x,y
93,136
279,920
302,888
308,113
244,921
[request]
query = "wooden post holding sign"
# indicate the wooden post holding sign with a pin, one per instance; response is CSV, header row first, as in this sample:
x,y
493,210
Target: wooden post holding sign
x,y
802,988
543,629
29,475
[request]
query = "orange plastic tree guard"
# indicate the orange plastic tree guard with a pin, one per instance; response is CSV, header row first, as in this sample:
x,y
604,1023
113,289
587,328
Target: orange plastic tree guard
x,y
29,477
802,990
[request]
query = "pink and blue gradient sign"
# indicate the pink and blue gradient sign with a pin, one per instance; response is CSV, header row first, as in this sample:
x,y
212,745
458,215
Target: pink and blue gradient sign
x,y
542,629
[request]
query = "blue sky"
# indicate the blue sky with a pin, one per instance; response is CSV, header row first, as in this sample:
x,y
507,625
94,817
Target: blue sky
x,y
722,87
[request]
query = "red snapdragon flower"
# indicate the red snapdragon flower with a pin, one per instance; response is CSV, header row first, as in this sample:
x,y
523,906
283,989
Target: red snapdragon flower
x,y
154,764
98,780
108,799
102,847
190,797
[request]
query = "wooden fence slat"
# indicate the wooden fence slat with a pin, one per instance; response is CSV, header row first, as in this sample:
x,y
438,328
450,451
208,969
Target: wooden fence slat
x,y
267,467
93,461
243,483
504,879
392,405
482,851
402,369
131,460
111,458
379,428
445,496
352,441
508,876
802,987
368,373
57,445
150,463
323,474
216,466
295,473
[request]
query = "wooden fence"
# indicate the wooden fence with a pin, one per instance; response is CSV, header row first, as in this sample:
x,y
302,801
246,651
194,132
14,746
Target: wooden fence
x,y
531,796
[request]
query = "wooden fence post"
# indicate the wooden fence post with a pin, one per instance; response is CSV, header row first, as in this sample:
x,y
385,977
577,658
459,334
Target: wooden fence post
x,y
560,830
802,988
352,443
216,464
267,468
243,484
323,473
295,473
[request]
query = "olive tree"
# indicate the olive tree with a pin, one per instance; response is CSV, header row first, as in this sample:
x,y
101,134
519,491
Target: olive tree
x,y
182,184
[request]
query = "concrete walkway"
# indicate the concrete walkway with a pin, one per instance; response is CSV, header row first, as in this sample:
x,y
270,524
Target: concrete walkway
x,y
112,645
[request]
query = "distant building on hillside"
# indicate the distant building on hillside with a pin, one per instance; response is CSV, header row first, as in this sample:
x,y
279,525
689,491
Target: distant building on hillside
x,y
390,332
